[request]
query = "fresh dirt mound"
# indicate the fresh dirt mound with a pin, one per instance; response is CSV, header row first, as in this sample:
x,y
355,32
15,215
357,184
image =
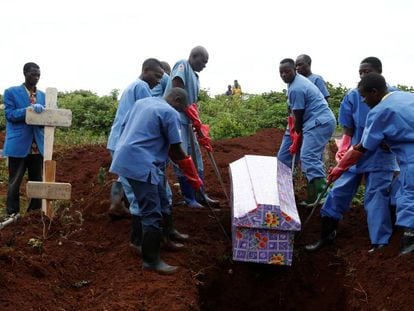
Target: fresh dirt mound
x,y
81,261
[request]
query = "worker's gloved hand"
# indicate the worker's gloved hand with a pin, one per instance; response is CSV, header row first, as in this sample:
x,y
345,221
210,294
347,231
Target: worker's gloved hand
x,y
190,172
291,125
350,158
204,137
296,142
343,145
192,113
38,108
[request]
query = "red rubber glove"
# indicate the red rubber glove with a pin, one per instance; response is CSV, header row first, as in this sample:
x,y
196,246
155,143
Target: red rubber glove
x,y
296,142
192,113
343,145
350,158
291,125
205,141
190,172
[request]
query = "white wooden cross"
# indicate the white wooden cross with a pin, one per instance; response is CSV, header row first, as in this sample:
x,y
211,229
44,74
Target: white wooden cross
x,y
50,118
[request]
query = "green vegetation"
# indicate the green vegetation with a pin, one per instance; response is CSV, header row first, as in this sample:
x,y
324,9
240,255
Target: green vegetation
x,y
228,117
239,116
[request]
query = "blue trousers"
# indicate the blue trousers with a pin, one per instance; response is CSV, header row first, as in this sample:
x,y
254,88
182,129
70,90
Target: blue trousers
x,y
186,146
405,199
376,201
133,204
151,200
186,189
311,151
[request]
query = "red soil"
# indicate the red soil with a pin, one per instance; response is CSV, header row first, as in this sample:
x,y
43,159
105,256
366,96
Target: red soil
x,y
85,262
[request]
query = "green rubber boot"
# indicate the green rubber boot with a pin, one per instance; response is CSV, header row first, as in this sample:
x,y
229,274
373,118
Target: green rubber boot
x,y
315,187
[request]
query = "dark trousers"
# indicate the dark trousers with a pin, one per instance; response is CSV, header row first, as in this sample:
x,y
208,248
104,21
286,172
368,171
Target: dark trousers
x,y
150,200
17,168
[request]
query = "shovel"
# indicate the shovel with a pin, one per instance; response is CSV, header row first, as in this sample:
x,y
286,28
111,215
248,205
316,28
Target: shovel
x,y
201,192
217,172
13,218
316,203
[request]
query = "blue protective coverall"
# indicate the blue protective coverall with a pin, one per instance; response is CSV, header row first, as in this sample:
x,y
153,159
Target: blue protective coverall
x,y
377,166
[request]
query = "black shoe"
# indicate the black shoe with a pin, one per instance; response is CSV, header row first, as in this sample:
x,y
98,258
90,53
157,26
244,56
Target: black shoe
x,y
376,247
136,235
321,242
407,242
170,232
136,249
204,199
171,246
151,254
177,236
118,209
328,234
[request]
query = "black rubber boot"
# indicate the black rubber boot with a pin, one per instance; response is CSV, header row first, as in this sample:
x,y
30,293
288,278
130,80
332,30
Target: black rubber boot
x,y
117,209
166,242
407,242
376,247
151,254
328,234
205,199
173,233
136,234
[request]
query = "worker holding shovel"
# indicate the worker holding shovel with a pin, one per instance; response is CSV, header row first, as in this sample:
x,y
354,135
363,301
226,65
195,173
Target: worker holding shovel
x,y
377,167
184,75
311,125
390,120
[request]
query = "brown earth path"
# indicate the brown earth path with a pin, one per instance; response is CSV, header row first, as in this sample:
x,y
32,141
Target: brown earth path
x,y
84,262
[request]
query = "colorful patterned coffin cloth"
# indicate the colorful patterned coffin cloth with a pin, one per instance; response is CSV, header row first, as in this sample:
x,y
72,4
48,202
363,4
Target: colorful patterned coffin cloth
x,y
264,214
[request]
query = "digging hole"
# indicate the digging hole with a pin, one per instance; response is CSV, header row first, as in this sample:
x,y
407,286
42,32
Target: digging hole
x,y
308,284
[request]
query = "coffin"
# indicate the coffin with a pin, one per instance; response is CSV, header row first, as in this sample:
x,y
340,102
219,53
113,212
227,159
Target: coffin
x,y
264,214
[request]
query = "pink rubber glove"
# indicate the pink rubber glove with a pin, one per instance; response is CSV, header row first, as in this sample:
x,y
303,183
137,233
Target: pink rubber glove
x,y
350,158
343,145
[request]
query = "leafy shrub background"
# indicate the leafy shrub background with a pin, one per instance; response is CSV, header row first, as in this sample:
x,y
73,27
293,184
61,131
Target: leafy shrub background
x,y
228,116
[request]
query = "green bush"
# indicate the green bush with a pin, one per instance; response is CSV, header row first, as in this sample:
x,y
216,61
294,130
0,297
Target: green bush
x,y
228,116
89,111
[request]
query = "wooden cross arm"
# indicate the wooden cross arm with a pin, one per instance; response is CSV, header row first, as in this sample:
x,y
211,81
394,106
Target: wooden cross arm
x,y
50,117
48,190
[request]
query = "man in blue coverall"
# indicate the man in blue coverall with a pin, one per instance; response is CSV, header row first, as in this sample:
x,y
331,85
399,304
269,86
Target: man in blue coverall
x,y
151,134
390,121
311,124
150,76
159,89
184,75
24,144
171,233
377,167
303,66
